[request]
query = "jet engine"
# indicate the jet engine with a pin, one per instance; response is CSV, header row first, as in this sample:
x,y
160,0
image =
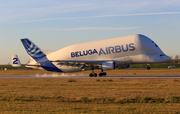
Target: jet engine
x,y
109,65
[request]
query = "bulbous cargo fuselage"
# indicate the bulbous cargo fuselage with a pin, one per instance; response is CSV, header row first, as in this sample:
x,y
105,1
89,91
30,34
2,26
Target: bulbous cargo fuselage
x,y
131,49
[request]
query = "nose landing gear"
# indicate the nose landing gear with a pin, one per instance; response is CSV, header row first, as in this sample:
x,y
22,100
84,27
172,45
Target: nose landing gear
x,y
148,67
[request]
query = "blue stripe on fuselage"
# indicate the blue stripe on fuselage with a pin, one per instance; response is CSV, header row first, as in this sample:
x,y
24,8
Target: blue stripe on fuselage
x,y
47,65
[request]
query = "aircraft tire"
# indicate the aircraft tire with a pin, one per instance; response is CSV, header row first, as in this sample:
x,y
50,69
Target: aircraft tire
x,y
95,75
90,75
100,74
148,68
104,74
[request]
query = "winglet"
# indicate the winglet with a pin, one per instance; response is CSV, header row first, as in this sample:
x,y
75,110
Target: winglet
x,y
15,61
33,50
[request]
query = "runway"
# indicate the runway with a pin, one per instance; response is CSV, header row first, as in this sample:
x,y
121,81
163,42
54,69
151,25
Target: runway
x,y
54,76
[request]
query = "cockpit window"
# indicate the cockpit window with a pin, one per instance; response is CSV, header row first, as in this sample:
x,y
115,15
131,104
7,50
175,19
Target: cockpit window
x,y
162,55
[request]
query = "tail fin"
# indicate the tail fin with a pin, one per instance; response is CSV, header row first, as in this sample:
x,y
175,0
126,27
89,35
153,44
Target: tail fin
x,y
33,50
15,61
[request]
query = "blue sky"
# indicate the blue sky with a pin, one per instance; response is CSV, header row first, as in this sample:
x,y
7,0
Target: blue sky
x,y
54,24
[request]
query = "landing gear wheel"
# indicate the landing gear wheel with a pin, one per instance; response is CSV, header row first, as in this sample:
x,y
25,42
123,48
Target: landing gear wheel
x,y
148,68
91,75
102,74
95,75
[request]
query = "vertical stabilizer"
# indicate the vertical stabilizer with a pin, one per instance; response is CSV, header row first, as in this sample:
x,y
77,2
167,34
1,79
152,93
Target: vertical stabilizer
x,y
33,50
15,61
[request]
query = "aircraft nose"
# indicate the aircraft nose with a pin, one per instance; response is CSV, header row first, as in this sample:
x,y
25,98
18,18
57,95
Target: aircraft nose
x,y
158,59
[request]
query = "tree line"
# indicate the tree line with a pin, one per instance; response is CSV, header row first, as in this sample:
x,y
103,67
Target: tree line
x,y
176,59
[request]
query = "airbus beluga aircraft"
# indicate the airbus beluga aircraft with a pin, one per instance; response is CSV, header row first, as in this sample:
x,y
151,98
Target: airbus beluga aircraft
x,y
105,54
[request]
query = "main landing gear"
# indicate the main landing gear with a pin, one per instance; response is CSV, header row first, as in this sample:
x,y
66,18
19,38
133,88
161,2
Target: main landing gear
x,y
102,73
94,74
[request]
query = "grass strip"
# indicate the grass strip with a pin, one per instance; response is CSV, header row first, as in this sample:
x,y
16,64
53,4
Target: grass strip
x,y
89,96
168,99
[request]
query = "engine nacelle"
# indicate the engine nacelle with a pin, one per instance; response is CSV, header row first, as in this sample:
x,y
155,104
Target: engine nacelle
x,y
124,66
109,65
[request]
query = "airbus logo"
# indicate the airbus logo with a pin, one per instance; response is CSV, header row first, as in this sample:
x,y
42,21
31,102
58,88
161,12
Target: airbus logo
x,y
105,51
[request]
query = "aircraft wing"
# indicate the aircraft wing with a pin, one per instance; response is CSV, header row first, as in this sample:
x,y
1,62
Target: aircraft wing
x,y
89,62
83,64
